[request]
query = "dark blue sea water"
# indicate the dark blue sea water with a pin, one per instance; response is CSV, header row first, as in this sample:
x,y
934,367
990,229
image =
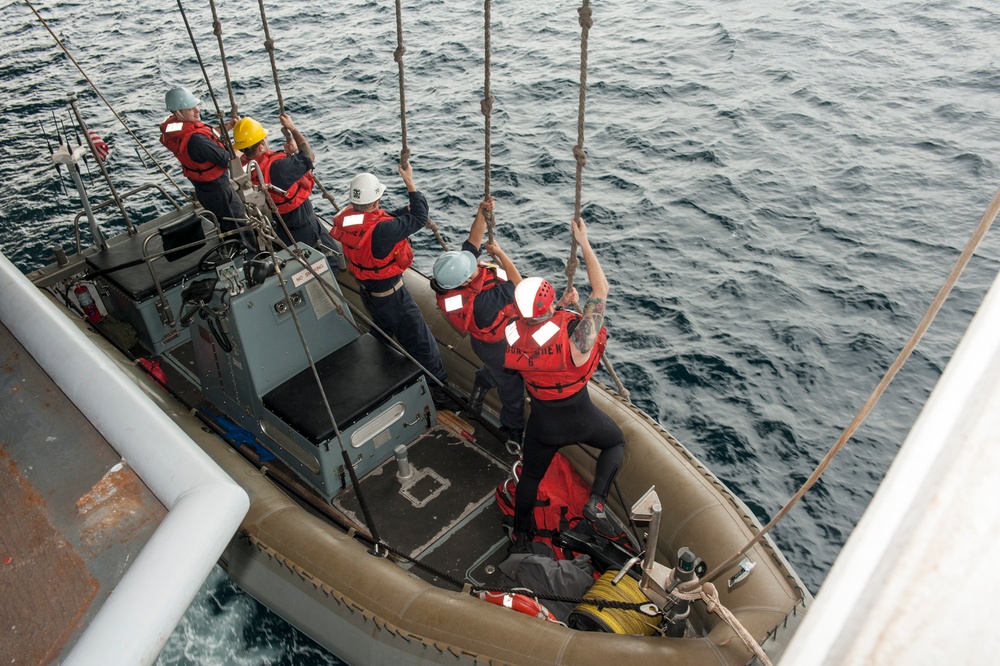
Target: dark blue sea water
x,y
776,191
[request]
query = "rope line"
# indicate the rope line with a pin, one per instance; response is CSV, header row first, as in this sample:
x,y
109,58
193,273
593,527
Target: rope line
x,y
269,46
204,72
397,55
234,110
963,260
404,153
486,105
106,102
586,15
706,592
586,22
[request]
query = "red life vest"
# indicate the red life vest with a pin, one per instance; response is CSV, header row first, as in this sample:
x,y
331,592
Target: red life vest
x,y
175,135
541,353
457,306
354,231
558,503
297,193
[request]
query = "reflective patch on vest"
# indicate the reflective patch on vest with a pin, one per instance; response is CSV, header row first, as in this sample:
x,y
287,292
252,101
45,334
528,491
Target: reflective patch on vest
x,y
502,274
511,333
174,127
545,333
354,220
453,303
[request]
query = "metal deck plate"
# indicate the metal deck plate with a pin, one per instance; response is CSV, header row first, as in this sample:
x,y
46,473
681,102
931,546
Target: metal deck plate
x,y
73,516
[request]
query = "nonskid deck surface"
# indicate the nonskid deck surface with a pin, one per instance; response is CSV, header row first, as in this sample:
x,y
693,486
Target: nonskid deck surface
x,y
444,515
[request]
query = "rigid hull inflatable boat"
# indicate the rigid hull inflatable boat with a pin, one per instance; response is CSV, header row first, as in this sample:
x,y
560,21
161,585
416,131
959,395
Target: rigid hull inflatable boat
x,y
384,559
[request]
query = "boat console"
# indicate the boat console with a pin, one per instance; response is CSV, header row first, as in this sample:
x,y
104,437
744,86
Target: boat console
x,y
140,277
253,340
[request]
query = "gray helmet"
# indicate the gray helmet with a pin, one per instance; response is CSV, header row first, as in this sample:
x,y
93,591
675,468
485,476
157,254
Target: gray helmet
x,y
365,189
180,98
453,268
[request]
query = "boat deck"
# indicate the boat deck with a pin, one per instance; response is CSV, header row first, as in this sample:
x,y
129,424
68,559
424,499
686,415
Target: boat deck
x,y
444,515
74,514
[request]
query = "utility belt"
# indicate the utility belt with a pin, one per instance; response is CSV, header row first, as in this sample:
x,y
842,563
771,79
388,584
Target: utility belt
x,y
388,292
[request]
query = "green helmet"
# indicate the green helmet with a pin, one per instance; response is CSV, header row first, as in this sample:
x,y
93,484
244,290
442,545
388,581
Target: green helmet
x,y
453,268
180,98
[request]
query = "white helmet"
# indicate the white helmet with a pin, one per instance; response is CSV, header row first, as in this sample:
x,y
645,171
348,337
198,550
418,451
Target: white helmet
x,y
533,296
365,189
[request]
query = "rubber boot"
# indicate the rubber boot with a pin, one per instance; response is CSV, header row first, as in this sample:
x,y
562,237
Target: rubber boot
x,y
442,400
511,435
596,514
519,544
476,400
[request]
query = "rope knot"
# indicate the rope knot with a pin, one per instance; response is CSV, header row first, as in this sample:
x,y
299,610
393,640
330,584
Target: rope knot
x,y
217,27
586,17
269,44
404,156
397,55
580,156
486,105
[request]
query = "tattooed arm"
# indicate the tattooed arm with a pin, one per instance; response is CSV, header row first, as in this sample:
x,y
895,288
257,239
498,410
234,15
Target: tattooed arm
x,y
585,334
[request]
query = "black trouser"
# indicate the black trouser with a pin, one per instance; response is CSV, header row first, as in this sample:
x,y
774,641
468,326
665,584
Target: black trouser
x,y
398,315
222,201
508,383
553,424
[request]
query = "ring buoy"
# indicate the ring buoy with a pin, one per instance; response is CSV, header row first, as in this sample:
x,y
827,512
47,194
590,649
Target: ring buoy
x,y
519,602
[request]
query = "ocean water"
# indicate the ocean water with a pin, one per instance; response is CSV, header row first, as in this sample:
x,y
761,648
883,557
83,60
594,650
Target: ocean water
x,y
776,191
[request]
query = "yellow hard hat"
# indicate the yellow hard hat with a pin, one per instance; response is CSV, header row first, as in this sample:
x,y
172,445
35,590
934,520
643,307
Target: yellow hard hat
x,y
247,132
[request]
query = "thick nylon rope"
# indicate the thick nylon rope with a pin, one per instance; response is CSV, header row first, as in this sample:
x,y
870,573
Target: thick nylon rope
x,y
204,72
234,110
404,153
904,354
586,21
487,108
269,46
107,103
706,592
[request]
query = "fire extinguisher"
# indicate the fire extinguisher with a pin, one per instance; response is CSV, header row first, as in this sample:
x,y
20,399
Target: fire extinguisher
x,y
87,303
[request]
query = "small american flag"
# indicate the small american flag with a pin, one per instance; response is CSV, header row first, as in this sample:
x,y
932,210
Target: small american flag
x,y
100,146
